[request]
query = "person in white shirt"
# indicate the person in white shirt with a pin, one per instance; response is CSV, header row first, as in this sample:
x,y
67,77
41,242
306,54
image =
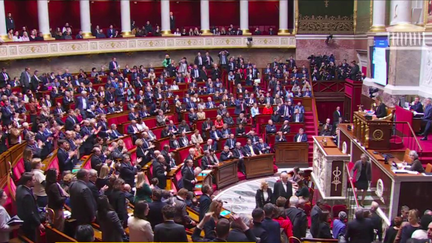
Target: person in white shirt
x,y
39,188
25,37
140,229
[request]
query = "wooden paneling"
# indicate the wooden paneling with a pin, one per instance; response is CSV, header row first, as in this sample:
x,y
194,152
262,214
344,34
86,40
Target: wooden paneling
x,y
289,154
226,173
258,166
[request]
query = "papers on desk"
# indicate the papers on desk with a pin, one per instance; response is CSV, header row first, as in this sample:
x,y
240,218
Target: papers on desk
x,y
15,220
405,172
66,214
418,113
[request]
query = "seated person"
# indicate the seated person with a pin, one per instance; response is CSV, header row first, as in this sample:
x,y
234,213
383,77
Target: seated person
x,y
285,129
416,164
300,136
270,127
263,147
280,137
381,108
416,105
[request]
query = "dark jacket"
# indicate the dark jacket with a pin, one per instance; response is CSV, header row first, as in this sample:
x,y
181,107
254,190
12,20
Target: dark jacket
x,y
315,220
55,198
155,213
204,205
170,232
111,227
117,200
260,232
259,198
273,230
187,177
279,190
417,166
27,209
82,203
359,231
299,221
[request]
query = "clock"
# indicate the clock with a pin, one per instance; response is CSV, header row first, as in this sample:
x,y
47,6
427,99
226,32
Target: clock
x,y
378,134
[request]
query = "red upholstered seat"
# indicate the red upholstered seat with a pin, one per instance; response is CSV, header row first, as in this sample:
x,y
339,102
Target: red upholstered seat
x,y
10,190
157,131
19,169
183,153
128,143
241,176
54,164
87,165
337,209
133,158
150,122
163,142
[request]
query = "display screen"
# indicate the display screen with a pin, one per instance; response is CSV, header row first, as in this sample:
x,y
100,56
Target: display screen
x,y
379,59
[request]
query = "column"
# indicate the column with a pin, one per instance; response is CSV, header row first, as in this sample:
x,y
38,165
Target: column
x,y
283,17
205,17
43,17
378,17
3,30
125,18
244,17
85,19
400,17
165,17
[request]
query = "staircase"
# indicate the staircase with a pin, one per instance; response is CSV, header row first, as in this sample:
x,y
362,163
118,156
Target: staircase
x,y
426,157
310,126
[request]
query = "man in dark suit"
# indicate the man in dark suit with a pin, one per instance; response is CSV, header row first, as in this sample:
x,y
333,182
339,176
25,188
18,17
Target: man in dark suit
x,y
208,60
83,104
226,154
169,231
355,69
10,23
360,229
66,158
205,200
240,231
300,137
297,116
159,169
27,209
297,217
82,202
316,212
283,187
427,118
4,78
25,79
188,175
113,66
155,209
270,226
199,61
250,148
257,229
336,114
34,81
172,22
231,141
417,106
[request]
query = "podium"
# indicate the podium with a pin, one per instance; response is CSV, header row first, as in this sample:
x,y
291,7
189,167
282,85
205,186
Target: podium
x,y
259,165
329,169
226,173
373,134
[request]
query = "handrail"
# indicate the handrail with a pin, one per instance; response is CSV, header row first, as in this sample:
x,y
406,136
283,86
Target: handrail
x,y
412,133
352,184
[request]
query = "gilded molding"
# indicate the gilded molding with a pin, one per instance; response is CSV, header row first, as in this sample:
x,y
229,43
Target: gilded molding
x,y
13,50
326,24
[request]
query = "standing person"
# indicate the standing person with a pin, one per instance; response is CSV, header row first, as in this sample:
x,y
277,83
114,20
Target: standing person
x,y
56,198
82,202
143,190
139,228
27,209
270,226
205,200
5,229
392,231
360,229
263,195
406,230
110,224
282,188
169,231
315,217
39,187
427,118
155,213
363,176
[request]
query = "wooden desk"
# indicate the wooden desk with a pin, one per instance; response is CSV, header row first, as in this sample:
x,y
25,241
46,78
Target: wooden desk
x,y
393,190
259,165
290,154
330,143
226,173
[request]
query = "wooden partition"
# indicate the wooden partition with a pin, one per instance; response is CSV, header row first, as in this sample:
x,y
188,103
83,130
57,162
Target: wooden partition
x,y
226,173
259,166
290,154
53,235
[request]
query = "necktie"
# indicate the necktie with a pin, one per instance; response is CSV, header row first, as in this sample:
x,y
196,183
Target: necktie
x,y
5,76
